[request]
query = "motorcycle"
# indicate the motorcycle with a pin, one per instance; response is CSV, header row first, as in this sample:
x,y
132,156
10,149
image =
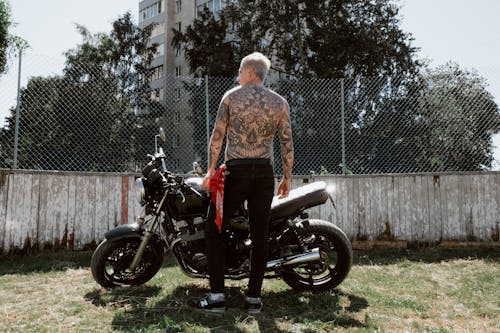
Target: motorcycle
x,y
308,254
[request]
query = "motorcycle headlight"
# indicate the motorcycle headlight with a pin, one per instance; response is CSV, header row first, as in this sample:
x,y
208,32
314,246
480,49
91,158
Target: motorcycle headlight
x,y
140,190
151,174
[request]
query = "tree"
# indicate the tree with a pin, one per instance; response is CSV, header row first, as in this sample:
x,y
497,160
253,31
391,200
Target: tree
x,y
304,38
42,141
206,46
460,117
360,43
124,54
84,120
8,43
4,33
365,37
113,70
346,39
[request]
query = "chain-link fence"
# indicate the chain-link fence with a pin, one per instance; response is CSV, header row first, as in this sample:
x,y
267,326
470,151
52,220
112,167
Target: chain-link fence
x,y
440,121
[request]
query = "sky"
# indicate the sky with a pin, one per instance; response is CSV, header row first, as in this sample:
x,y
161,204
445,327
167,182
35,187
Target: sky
x,y
463,31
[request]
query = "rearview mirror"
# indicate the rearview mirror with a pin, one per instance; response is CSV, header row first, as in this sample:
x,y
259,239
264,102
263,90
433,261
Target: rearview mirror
x,y
163,136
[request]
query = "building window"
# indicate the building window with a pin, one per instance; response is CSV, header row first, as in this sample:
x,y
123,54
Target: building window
x,y
156,95
178,71
158,30
160,50
213,5
178,6
178,26
151,11
156,73
177,93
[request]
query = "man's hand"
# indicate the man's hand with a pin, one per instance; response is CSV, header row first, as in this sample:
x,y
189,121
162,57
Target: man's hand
x,y
284,187
210,174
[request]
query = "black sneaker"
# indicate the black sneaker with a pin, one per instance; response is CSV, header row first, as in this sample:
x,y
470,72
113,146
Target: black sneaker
x,y
253,308
204,304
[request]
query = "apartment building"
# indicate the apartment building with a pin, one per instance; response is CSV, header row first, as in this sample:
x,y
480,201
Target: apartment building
x,y
167,69
168,15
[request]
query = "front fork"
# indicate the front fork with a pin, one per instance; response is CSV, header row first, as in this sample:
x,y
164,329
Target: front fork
x,y
148,233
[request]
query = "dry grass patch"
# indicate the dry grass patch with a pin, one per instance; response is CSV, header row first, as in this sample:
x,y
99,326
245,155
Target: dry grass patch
x,y
425,290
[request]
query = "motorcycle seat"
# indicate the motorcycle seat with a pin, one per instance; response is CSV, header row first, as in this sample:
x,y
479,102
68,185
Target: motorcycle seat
x,y
299,199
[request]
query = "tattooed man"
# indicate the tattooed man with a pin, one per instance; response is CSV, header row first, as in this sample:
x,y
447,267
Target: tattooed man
x,y
249,117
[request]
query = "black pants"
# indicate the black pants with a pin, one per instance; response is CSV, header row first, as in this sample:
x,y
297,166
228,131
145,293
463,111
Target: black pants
x,y
255,184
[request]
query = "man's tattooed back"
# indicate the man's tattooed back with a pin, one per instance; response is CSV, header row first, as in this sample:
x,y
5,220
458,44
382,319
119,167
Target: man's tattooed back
x,y
252,115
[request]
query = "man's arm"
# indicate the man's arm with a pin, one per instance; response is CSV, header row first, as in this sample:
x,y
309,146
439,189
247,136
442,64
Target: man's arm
x,y
285,135
218,134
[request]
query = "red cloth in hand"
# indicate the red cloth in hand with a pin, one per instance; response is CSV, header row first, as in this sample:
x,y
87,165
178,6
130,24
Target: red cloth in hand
x,y
216,186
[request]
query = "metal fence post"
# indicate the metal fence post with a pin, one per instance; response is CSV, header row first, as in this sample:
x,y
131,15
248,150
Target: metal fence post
x,y
207,118
342,125
16,135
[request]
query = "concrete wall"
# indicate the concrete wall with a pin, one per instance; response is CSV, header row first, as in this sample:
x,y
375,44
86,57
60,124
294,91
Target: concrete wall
x,y
74,210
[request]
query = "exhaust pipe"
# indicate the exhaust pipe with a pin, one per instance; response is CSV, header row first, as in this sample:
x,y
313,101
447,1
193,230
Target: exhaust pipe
x,y
298,259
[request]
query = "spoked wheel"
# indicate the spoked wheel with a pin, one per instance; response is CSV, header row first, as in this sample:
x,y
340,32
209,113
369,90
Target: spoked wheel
x,y
336,258
112,258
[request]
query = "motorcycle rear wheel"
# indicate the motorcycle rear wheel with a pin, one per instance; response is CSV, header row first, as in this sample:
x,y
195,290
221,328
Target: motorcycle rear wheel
x,y
336,258
112,258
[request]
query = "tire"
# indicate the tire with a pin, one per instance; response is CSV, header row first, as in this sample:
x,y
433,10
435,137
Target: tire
x,y
112,258
336,258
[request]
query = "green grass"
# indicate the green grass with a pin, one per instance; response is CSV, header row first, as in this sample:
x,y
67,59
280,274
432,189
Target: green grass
x,y
388,290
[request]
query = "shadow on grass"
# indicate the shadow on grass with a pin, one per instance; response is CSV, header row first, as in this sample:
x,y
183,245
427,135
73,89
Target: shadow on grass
x,y
389,256
125,297
283,310
61,260
44,262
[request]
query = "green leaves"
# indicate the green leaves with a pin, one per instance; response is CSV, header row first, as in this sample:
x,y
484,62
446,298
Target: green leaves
x,y
74,121
304,38
4,33
8,43
206,45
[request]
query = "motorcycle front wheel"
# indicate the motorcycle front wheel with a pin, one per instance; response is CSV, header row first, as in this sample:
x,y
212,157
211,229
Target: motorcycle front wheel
x,y
111,261
334,265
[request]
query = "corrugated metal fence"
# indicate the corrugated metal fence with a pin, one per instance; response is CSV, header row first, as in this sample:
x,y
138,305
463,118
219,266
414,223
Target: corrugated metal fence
x,y
68,210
